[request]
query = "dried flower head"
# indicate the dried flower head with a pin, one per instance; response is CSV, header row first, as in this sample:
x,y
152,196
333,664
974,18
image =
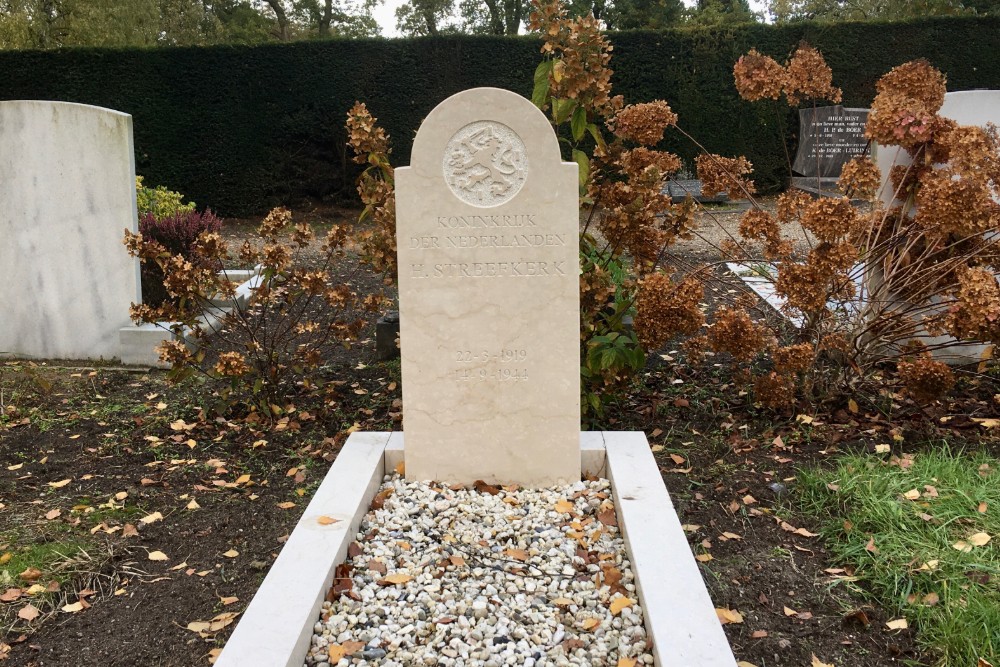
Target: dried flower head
x,y
275,222
794,358
791,202
830,218
808,77
643,123
695,348
948,203
363,135
735,333
665,309
231,364
774,391
759,225
924,378
917,80
860,177
975,313
723,174
581,54
758,77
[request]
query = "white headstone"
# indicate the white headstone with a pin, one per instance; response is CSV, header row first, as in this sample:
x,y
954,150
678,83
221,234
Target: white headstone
x,y
966,107
487,229
67,194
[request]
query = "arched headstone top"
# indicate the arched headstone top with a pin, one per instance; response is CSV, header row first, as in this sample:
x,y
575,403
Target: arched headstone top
x,y
486,143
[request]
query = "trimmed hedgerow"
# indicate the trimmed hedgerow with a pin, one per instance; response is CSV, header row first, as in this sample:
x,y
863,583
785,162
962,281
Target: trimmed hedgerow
x,y
241,128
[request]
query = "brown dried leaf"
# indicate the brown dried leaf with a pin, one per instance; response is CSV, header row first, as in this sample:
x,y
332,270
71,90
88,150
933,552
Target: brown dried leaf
x,y
378,502
28,612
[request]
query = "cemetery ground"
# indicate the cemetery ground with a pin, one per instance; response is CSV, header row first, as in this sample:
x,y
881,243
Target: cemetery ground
x,y
135,526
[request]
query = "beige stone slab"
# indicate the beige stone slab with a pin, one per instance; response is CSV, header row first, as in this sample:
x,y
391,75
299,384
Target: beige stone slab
x,y
489,295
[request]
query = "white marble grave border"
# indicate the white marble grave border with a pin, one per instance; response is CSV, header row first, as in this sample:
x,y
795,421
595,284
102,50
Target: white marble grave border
x,y
277,627
138,342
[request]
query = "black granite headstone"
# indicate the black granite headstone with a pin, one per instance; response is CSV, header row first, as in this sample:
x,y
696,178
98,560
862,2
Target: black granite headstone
x,y
829,137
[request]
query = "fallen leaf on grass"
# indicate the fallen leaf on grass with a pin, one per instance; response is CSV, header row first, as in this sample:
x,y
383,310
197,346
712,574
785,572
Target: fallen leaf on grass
x,y
77,606
60,484
31,574
157,555
816,662
703,558
28,612
789,611
287,505
229,600
728,615
912,494
759,634
325,520
232,553
193,505
10,594
53,514
979,539
931,599
898,624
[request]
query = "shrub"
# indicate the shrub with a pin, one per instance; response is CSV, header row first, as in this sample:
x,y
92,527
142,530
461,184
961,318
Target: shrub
x,y
178,233
271,347
159,202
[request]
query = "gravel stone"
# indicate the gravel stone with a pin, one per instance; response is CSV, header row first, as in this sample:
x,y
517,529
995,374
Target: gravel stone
x,y
520,577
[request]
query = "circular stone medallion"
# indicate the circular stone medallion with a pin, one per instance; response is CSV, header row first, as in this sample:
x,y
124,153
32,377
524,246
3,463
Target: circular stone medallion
x,y
485,163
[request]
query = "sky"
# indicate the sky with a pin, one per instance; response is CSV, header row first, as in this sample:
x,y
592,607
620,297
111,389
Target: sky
x,y
385,13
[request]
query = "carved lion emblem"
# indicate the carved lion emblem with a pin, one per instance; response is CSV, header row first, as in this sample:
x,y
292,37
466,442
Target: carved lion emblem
x,y
485,163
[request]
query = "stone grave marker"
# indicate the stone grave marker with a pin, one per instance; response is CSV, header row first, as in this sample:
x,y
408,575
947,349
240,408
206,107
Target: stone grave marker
x,y
487,224
828,138
966,107
67,187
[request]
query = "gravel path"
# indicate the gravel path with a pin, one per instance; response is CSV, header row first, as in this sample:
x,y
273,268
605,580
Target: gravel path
x,y
485,576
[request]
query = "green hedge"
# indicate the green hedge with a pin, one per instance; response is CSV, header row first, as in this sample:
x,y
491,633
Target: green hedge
x,y
242,128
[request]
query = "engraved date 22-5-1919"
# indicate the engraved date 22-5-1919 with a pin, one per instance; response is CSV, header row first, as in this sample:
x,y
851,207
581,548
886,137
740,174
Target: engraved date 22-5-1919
x,y
503,357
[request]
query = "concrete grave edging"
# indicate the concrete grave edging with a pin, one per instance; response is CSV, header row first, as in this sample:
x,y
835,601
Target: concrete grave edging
x,y
277,627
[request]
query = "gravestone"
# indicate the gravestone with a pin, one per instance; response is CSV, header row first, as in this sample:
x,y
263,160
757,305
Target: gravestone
x,y
487,223
966,107
67,194
829,137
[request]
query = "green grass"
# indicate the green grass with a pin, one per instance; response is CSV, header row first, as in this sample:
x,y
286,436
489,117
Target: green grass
x,y
41,555
863,499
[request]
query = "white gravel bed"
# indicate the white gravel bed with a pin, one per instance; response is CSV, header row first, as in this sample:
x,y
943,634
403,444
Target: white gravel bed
x,y
485,576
